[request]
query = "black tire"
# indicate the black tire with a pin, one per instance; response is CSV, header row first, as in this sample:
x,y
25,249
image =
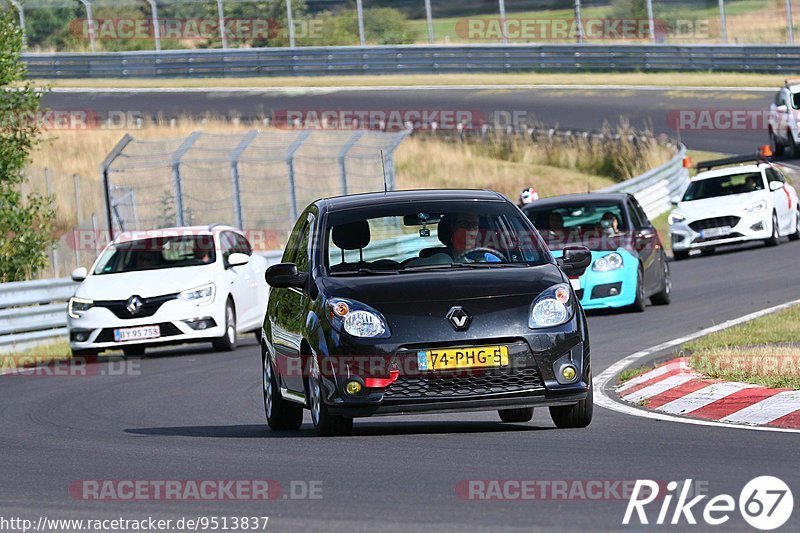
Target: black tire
x,y
664,296
578,415
775,240
640,303
327,424
227,343
796,235
708,251
281,414
133,351
680,255
777,147
521,414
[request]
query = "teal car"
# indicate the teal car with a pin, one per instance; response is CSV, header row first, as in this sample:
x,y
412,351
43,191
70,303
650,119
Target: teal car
x,y
629,263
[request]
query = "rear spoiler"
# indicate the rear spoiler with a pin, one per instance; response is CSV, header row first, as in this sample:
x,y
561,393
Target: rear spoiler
x,y
762,155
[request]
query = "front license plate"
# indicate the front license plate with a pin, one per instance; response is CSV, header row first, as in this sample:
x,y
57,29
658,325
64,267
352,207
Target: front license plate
x,y
136,334
716,232
456,358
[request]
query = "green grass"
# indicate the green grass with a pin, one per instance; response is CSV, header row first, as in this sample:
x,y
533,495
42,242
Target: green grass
x,y
630,373
765,351
55,351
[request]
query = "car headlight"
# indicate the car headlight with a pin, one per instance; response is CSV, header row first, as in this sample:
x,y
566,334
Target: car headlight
x,y
674,218
552,307
202,295
356,319
608,262
757,207
78,305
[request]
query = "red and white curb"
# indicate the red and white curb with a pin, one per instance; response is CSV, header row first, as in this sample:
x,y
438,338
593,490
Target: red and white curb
x,y
677,397
675,388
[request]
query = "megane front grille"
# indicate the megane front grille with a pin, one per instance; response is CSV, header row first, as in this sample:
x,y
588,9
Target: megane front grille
x,y
148,308
716,222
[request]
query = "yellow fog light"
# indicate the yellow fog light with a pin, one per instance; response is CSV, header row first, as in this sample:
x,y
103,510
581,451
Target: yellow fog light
x,y
353,387
569,372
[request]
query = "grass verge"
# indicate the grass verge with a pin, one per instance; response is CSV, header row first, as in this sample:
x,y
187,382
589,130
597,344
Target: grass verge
x,y
765,351
667,79
45,353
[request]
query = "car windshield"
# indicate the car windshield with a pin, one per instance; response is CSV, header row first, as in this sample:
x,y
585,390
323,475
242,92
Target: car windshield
x,y
724,186
431,236
157,253
591,224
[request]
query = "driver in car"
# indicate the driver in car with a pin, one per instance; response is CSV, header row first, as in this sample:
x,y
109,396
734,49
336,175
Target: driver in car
x,y
460,232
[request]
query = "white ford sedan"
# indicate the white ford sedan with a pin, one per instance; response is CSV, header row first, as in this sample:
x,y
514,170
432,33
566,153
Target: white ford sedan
x,y
732,205
168,286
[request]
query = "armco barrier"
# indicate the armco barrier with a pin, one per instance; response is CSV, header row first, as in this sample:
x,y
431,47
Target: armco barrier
x,y
414,59
655,188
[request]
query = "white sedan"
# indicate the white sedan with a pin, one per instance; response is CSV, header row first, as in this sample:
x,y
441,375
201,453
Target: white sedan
x,y
168,286
732,205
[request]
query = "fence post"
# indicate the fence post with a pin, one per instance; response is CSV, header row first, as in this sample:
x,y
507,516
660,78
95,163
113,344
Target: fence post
x,y
429,18
176,175
723,21
298,142
156,28
503,26
579,20
360,9
222,33
388,163
21,10
343,156
77,238
53,249
89,22
104,168
290,22
789,24
237,192
651,21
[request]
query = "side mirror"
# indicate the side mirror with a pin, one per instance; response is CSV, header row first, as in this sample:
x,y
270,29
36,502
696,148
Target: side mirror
x,y
783,108
675,200
776,185
237,259
285,276
575,261
79,274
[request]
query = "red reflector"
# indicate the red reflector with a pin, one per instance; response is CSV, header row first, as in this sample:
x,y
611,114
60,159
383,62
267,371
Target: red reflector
x,y
379,383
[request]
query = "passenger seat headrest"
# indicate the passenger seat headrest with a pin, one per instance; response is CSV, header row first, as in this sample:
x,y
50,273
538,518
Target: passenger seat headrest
x,y
352,236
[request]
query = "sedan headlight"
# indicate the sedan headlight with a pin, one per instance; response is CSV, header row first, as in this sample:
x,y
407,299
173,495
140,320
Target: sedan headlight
x,y
78,305
356,319
202,295
608,262
674,218
757,207
552,308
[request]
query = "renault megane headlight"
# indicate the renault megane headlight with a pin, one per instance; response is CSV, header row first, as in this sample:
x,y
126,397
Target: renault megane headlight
x,y
78,305
202,295
552,307
356,319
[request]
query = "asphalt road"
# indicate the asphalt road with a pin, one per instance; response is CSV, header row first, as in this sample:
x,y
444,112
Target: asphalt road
x,y
676,112
194,414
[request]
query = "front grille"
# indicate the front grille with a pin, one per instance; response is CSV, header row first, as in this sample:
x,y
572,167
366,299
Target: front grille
x,y
168,329
149,306
484,382
721,237
716,222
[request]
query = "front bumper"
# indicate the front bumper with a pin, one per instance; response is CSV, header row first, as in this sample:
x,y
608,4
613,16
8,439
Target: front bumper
x,y
531,378
611,289
751,227
97,325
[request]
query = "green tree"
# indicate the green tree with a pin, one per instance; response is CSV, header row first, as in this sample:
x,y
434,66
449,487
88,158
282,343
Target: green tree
x,y
26,224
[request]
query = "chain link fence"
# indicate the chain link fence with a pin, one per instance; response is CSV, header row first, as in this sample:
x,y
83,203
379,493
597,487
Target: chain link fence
x,y
258,181
127,25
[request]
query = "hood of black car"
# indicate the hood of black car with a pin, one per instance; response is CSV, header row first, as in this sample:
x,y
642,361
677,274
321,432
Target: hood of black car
x,y
444,285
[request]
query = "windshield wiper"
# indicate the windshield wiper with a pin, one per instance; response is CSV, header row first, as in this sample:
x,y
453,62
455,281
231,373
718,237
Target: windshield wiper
x,y
496,265
364,272
462,265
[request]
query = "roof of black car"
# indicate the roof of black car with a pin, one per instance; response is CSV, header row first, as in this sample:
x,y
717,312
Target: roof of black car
x,y
572,199
372,199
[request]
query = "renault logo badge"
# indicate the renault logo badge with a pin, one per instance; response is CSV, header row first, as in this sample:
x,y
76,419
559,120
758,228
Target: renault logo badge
x,y
459,318
133,305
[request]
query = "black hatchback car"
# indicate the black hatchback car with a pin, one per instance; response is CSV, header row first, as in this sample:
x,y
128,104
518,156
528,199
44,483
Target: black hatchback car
x,y
419,301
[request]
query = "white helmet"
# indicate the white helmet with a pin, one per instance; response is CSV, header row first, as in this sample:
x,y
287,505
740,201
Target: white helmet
x,y
528,196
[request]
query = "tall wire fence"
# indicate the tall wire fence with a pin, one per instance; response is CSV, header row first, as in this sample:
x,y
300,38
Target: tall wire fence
x,y
119,25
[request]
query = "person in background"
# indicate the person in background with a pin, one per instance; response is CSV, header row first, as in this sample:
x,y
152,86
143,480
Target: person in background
x,y
528,196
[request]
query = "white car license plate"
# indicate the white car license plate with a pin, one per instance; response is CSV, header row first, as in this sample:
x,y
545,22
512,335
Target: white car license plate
x,y
136,334
716,232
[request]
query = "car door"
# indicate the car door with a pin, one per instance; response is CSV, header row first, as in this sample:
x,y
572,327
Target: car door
x,y
779,115
257,267
235,280
251,308
648,245
781,200
289,307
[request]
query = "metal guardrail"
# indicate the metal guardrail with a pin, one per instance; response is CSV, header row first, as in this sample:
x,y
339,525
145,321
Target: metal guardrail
x,y
655,188
413,59
33,311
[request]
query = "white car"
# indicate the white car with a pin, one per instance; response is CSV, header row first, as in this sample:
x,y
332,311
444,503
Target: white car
x,y
732,205
168,286
784,114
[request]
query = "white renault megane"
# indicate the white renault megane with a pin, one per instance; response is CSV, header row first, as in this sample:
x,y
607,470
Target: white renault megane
x,y
168,286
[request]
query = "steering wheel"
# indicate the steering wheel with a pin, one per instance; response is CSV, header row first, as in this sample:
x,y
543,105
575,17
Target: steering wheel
x,y
492,251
